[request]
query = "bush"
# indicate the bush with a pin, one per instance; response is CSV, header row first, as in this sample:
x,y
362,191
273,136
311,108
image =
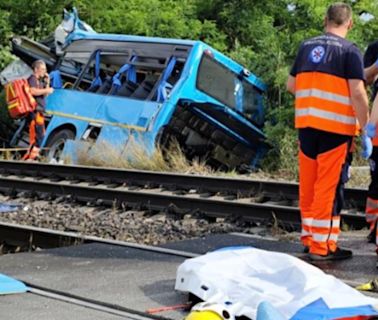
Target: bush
x,y
282,136
5,121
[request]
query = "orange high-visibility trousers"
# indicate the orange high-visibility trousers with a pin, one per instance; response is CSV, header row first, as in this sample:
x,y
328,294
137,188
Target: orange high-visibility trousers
x,y
36,128
36,134
371,209
319,178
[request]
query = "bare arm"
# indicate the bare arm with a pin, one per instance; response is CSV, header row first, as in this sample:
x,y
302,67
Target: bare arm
x,y
40,92
290,85
370,73
360,100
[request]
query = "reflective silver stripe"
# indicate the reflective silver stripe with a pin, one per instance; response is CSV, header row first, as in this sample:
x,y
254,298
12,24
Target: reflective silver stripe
x,y
371,203
323,95
320,237
333,237
305,233
325,237
321,223
336,223
312,111
307,221
370,217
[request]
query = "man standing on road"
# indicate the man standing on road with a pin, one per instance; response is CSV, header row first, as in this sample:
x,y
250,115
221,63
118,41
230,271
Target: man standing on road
x,y
327,79
39,83
371,73
371,67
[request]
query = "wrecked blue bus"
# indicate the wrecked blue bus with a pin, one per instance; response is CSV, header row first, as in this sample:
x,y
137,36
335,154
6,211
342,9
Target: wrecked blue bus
x,y
113,88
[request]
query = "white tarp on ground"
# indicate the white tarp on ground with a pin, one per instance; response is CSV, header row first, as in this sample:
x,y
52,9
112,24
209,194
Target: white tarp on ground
x,y
247,276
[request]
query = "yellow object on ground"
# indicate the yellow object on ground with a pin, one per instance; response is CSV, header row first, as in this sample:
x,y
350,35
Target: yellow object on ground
x,y
203,315
209,311
370,286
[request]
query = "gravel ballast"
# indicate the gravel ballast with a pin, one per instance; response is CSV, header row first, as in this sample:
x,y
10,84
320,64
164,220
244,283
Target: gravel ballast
x,y
124,225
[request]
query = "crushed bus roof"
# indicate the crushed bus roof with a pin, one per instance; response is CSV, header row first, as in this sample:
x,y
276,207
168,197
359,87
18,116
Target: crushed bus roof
x,y
82,35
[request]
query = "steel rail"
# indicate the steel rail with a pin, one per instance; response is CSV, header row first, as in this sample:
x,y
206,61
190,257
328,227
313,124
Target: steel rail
x,y
48,238
154,199
105,307
160,200
30,236
235,186
142,177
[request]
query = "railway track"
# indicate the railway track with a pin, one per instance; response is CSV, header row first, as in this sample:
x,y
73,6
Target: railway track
x,y
28,238
104,307
255,200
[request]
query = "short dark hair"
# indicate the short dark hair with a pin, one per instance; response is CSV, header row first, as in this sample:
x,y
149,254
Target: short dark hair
x,y
339,13
38,63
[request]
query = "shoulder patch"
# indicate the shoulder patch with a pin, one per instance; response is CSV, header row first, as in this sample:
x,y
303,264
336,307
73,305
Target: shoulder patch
x,y
317,54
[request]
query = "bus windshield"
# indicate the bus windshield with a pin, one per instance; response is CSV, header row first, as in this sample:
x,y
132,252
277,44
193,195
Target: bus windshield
x,y
226,86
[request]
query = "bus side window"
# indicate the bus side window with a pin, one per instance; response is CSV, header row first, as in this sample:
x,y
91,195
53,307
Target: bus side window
x,y
146,86
147,75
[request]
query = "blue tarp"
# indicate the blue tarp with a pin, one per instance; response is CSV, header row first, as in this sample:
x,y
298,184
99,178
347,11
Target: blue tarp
x,y
9,285
8,207
318,310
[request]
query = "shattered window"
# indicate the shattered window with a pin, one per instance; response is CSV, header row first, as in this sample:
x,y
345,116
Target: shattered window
x,y
217,81
224,85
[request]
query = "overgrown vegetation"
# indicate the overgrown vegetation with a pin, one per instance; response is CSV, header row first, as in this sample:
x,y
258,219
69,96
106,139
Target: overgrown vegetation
x,y
5,121
135,157
262,35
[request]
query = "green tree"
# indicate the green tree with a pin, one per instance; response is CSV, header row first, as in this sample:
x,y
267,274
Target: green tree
x,y
262,35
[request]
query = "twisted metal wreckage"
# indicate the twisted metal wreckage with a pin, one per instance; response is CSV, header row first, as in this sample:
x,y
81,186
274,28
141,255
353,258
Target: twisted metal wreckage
x,y
114,89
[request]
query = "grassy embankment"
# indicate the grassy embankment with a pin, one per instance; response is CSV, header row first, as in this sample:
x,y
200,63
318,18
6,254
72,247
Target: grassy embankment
x,y
175,161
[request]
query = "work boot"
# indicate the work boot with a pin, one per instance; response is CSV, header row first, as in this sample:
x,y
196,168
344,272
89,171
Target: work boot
x,y
371,237
34,153
339,254
306,249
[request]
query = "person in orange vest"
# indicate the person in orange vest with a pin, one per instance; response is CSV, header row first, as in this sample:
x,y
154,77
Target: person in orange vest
x,y
327,79
371,210
39,83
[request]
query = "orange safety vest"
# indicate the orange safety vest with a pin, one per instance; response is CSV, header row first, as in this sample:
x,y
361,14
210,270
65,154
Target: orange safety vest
x,y
322,101
375,141
19,98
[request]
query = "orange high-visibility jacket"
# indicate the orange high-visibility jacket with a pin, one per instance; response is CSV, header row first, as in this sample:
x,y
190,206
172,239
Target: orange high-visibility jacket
x,y
322,96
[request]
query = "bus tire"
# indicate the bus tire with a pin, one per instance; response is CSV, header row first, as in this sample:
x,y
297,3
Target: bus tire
x,y
56,142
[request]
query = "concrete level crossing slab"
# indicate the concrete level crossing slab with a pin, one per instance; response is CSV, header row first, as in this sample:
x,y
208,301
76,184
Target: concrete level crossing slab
x,y
140,280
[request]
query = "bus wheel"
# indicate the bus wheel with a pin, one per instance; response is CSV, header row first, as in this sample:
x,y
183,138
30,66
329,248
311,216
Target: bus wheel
x,y
56,143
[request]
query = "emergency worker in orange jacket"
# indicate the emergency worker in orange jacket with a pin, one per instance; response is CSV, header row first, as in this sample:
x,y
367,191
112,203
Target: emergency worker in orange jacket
x,y
39,83
371,73
327,79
